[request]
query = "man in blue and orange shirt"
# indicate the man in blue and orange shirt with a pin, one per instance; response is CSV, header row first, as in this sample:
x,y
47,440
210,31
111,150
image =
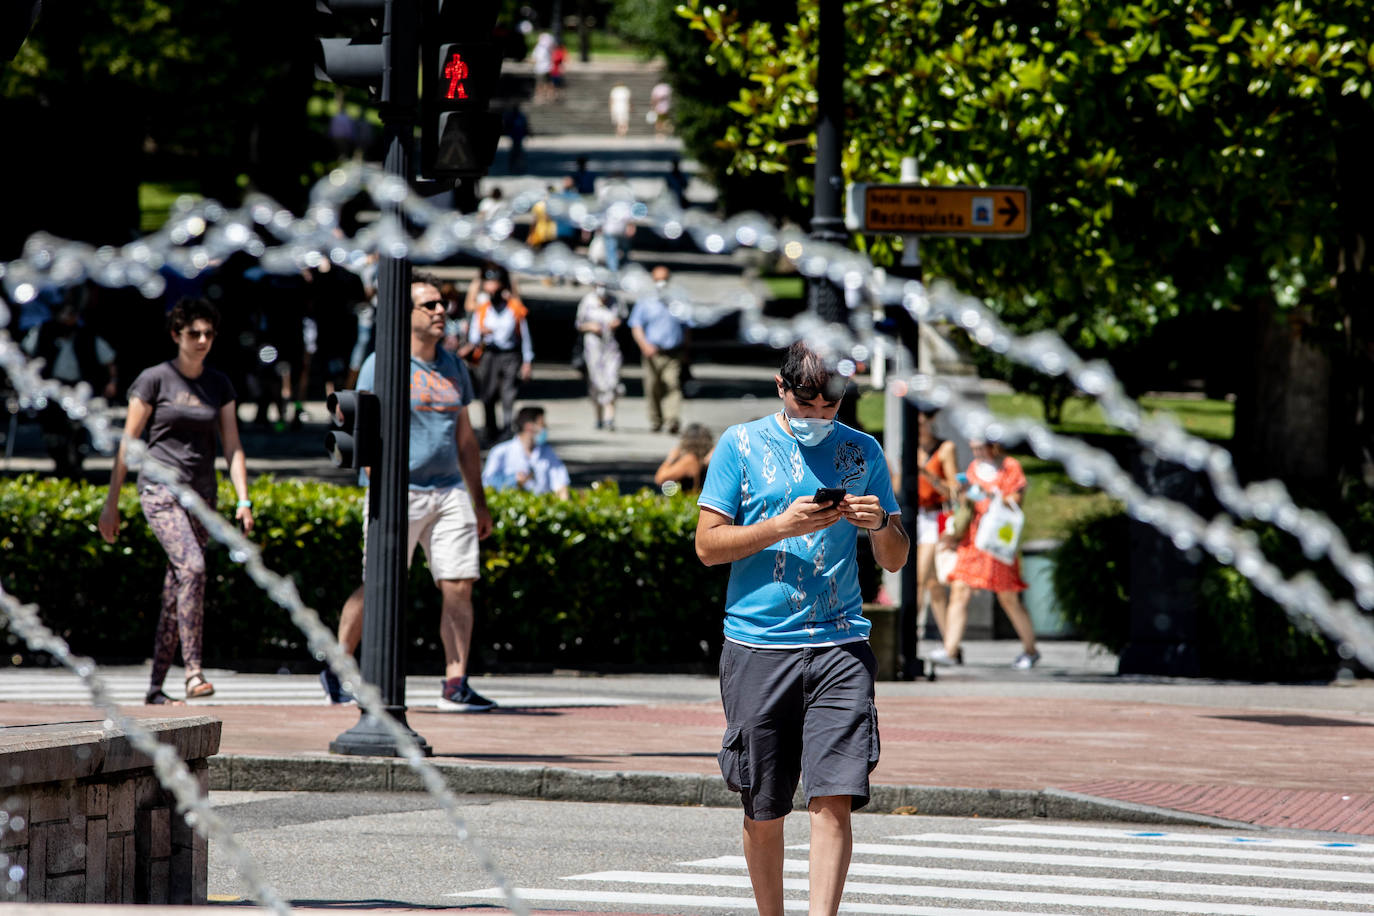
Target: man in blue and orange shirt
x,y
447,508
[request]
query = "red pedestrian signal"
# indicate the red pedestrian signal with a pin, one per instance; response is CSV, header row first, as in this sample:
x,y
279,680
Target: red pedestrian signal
x,y
458,134
456,72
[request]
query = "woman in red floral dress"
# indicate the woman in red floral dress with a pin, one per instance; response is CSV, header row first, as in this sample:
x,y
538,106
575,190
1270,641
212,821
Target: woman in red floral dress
x,y
991,470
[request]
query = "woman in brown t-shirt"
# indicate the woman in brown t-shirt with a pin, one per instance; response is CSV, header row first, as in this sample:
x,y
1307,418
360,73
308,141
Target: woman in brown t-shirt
x,y
182,403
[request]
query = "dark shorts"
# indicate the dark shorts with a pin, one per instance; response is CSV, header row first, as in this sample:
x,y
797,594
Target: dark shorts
x,y
793,713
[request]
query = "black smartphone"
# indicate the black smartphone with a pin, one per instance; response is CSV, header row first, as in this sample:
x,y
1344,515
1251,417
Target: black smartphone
x,y
829,496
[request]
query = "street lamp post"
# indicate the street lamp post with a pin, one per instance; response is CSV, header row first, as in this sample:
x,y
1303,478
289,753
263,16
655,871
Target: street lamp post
x,y
827,216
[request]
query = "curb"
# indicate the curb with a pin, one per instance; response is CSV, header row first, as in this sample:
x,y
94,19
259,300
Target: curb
x,y
247,773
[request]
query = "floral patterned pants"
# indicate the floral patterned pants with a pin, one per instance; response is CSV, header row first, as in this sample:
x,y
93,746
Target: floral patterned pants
x,y
183,588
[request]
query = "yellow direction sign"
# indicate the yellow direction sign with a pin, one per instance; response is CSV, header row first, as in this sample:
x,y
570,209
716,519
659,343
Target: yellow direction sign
x,y
914,209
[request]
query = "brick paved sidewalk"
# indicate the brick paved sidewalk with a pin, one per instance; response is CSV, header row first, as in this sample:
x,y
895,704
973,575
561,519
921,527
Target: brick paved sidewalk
x,y
1272,768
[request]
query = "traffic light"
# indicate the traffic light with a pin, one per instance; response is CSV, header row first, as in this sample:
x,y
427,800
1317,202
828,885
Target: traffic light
x,y
364,59
460,67
355,441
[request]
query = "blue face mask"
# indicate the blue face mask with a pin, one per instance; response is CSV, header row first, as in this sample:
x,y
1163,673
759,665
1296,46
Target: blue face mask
x,y
810,431
541,437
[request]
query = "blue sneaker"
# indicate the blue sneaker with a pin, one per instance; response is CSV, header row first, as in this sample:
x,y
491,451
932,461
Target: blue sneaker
x,y
457,696
333,689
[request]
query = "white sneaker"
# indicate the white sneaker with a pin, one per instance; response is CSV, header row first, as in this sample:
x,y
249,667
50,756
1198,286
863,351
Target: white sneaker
x,y
1026,661
938,656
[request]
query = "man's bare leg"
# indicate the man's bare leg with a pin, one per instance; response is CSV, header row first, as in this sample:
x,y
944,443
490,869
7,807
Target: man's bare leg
x,y
763,851
455,625
351,622
832,843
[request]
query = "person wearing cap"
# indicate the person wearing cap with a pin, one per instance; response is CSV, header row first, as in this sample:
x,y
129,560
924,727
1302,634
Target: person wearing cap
x,y
499,344
784,501
662,341
598,317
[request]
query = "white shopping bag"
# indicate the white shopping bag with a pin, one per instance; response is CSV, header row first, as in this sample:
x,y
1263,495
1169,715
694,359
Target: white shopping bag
x,y
999,531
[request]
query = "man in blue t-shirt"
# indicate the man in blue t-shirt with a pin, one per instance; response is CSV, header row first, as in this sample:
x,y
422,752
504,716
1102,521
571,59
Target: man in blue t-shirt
x,y
446,517
796,670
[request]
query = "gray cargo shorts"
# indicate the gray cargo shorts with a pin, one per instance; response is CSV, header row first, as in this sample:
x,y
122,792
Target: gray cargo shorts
x,y
793,713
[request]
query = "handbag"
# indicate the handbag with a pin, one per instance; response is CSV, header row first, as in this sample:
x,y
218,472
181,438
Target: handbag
x,y
959,520
999,532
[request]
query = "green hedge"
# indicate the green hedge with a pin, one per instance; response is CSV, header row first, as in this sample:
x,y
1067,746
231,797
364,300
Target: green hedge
x,y
602,579
1241,633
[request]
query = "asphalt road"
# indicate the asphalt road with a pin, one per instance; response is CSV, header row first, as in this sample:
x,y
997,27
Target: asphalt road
x,y
397,851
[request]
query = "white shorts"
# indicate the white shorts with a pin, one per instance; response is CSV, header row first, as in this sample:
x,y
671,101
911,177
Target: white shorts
x,y
927,526
445,525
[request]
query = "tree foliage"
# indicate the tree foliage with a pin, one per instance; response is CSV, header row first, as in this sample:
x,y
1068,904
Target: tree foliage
x,y
1183,157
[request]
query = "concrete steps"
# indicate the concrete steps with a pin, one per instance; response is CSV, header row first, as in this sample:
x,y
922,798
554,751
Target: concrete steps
x,y
584,106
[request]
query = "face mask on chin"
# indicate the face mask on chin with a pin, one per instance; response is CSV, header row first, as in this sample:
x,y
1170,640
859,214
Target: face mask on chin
x,y
810,431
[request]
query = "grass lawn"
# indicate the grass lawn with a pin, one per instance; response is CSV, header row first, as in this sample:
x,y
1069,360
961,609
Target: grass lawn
x,y
155,201
785,287
1053,501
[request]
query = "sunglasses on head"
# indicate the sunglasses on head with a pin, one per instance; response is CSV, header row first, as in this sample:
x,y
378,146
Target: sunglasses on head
x,y
433,304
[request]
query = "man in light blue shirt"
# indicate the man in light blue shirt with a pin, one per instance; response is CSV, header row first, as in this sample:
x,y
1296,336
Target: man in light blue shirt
x,y
527,461
784,500
447,510
662,341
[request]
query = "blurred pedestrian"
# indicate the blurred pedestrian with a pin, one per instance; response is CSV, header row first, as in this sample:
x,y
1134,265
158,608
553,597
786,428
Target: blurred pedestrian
x,y
182,403
526,461
71,353
660,109
541,59
598,317
584,180
993,474
499,339
516,126
616,200
937,487
366,314
558,61
662,341
620,109
491,203
684,469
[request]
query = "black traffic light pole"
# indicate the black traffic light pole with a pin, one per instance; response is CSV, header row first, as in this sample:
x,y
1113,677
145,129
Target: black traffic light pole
x,y
827,216
384,593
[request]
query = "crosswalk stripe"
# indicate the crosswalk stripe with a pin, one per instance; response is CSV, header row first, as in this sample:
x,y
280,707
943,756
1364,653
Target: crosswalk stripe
x,y
1093,903
1080,882
1248,855
733,903
256,690
1171,837
1123,864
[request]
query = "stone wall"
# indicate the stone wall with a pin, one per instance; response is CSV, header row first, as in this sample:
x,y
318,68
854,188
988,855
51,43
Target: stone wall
x,y
83,818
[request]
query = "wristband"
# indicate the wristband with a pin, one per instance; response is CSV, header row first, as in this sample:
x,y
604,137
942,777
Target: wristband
x,y
886,518
245,504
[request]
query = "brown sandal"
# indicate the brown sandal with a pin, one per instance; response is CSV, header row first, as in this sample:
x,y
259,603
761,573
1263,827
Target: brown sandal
x,y
197,687
156,697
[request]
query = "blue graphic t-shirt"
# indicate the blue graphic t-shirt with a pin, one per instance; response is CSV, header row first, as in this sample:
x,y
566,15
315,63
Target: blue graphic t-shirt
x,y
438,391
802,590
